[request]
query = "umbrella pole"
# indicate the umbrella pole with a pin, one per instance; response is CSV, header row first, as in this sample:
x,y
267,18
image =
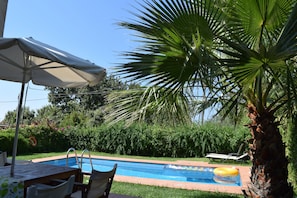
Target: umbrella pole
x,y
15,142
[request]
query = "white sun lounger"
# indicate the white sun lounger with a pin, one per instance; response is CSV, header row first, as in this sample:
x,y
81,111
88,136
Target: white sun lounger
x,y
226,156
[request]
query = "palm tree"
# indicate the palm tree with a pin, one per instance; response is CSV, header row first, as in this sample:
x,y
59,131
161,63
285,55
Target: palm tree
x,y
240,51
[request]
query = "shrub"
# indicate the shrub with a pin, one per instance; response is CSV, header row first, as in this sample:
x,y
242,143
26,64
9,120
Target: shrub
x,y
138,139
154,140
7,139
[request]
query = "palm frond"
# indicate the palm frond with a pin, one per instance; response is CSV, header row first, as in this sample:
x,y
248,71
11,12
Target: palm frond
x,y
150,104
177,37
258,23
237,50
286,46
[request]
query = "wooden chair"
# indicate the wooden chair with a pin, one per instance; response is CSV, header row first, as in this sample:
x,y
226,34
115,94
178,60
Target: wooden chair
x,y
47,191
99,185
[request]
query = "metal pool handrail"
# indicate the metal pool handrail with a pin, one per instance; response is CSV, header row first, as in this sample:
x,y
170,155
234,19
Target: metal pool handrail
x,y
77,162
81,157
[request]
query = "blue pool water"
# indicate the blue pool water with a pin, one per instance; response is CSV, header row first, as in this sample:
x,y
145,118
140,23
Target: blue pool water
x,y
149,170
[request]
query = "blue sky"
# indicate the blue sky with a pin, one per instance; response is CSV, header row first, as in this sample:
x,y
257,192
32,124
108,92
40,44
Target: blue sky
x,y
86,29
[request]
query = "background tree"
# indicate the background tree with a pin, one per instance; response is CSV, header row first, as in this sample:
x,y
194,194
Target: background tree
x,y
49,115
28,116
62,98
238,46
87,98
84,106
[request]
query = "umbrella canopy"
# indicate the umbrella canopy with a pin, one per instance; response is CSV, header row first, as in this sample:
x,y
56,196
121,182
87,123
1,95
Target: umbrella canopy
x,y
25,59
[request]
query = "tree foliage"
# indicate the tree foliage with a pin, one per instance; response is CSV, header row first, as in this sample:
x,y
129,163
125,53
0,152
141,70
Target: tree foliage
x,y
28,117
86,98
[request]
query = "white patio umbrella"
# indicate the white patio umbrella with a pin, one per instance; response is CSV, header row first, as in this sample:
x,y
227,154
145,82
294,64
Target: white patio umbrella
x,y
25,59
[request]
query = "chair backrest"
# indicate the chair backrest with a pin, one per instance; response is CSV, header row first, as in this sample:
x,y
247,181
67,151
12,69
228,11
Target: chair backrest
x,y
242,156
3,158
59,191
100,183
240,149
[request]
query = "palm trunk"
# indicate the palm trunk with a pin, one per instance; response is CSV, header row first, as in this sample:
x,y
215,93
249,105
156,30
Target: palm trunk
x,y
269,172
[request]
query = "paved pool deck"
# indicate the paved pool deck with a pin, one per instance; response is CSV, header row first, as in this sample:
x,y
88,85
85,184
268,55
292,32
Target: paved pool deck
x,y
244,172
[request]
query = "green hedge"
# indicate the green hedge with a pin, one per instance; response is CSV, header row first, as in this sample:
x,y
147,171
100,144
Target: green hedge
x,y
137,139
6,142
48,140
147,140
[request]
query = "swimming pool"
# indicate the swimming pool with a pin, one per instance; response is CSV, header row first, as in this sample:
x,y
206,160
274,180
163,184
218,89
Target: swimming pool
x,y
149,170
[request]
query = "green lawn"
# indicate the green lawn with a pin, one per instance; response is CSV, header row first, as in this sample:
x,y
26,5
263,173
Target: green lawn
x,y
144,191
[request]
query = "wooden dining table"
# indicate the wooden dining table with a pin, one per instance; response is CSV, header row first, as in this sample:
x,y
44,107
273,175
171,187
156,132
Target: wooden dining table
x,y
32,173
